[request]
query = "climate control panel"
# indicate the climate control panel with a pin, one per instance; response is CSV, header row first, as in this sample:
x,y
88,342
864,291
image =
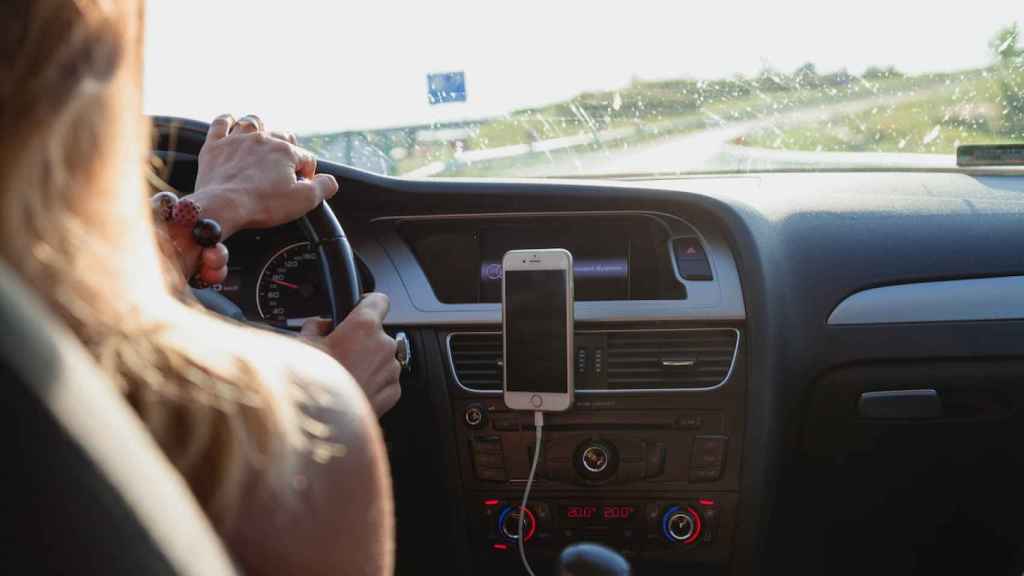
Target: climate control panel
x,y
650,528
655,478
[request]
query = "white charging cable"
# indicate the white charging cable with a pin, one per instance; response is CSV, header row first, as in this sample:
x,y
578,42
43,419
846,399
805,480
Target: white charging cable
x,y
538,424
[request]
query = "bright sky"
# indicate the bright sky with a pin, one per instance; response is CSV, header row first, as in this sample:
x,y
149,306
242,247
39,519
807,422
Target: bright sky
x,y
322,66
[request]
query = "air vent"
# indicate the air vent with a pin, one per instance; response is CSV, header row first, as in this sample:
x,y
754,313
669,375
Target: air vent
x,y
663,359
476,360
669,359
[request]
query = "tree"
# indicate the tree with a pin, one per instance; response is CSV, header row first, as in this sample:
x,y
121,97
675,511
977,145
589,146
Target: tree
x,y
1004,44
806,76
769,80
840,77
879,73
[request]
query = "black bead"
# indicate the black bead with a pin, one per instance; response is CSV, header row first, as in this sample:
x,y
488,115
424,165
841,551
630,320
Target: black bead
x,y
206,232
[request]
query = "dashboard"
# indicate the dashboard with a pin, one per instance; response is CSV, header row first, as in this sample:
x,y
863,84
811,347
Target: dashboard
x,y
645,271
274,277
636,264
853,403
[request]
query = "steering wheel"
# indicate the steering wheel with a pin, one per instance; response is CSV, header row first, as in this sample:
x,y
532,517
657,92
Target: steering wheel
x,y
179,141
337,262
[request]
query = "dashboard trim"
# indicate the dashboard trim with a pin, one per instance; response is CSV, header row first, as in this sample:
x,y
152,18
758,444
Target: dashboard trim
x,y
482,215
725,379
975,299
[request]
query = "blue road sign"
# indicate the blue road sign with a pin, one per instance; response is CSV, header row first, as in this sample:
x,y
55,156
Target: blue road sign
x,y
446,87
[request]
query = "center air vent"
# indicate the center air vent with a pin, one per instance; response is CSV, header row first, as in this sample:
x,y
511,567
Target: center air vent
x,y
613,360
476,359
669,359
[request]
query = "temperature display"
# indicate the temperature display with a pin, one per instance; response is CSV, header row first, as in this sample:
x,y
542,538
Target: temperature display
x,y
580,512
597,514
618,512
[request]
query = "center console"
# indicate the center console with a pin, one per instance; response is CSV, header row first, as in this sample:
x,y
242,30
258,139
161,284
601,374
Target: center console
x,y
647,461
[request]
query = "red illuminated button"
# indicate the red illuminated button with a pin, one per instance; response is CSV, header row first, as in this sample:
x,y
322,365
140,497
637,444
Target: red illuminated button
x,y
689,249
691,261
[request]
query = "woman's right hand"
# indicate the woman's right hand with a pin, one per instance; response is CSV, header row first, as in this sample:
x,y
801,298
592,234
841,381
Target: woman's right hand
x,y
360,344
249,178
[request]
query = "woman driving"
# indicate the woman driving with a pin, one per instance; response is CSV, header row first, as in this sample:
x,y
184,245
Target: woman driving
x,y
278,439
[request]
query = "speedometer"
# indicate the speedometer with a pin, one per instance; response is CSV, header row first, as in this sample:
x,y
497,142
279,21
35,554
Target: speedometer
x,y
290,287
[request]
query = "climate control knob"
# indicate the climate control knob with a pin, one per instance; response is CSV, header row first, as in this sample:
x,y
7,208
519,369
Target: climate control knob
x,y
508,523
681,525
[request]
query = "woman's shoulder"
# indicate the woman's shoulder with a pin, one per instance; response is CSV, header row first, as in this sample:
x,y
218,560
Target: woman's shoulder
x,y
282,362
334,485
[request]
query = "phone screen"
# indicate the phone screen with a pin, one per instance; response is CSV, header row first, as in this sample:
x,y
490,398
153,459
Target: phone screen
x,y
536,354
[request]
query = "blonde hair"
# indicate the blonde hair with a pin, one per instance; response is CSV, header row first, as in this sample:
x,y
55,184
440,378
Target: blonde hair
x,y
77,227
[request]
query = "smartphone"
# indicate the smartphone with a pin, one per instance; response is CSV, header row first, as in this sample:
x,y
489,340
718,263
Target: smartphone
x,y
537,329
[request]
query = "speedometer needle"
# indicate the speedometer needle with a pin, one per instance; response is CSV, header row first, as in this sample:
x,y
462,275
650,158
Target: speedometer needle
x,y
286,284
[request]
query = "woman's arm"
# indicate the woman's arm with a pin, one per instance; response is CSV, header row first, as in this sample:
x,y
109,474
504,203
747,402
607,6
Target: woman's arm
x,y
177,244
333,513
249,178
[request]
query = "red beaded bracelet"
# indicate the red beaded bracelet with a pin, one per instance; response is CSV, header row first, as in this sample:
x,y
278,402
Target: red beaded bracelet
x,y
184,212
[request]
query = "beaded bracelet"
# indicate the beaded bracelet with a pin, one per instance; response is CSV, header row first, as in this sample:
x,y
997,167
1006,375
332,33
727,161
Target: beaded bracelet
x,y
184,212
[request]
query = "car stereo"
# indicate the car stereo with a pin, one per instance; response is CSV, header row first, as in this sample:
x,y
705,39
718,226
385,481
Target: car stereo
x,y
617,257
600,265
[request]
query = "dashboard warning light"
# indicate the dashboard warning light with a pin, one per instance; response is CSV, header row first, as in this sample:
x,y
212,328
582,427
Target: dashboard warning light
x,y
706,502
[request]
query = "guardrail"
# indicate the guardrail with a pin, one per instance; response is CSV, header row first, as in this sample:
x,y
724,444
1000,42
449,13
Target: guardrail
x,y
598,138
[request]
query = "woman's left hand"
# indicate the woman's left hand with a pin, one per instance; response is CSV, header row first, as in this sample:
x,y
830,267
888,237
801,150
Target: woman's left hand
x,y
249,178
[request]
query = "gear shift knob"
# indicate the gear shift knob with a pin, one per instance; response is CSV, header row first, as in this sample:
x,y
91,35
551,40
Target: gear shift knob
x,y
587,559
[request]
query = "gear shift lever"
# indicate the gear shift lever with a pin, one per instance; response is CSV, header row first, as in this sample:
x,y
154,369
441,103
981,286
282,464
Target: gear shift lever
x,y
587,559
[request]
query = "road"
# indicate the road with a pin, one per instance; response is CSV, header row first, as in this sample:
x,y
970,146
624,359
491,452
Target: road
x,y
711,150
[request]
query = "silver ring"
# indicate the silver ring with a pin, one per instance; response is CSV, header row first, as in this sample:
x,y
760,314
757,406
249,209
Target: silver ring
x,y
249,119
403,349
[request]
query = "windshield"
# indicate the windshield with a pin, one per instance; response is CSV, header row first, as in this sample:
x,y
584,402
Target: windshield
x,y
538,89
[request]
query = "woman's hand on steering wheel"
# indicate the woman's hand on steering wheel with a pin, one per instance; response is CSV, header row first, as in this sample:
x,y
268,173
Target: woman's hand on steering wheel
x,y
364,349
249,178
